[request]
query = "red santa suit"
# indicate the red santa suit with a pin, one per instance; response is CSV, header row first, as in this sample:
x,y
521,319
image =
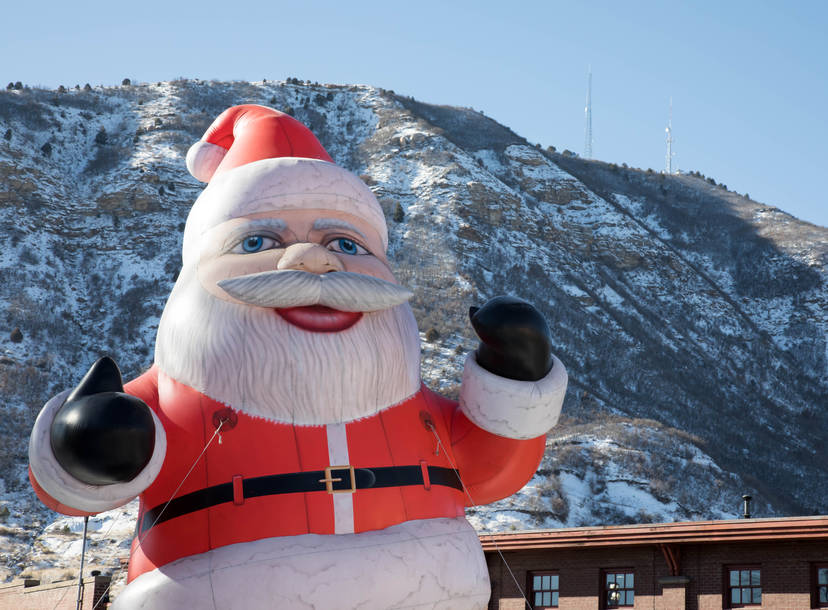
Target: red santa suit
x,y
395,466
398,465
246,486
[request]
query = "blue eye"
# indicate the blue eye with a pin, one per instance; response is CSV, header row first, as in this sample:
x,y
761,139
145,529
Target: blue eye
x,y
347,246
256,243
252,243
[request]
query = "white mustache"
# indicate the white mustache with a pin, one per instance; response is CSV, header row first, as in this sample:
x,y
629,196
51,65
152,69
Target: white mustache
x,y
342,290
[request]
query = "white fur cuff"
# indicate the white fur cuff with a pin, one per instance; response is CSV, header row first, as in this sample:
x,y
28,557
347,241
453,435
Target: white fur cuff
x,y
66,489
511,408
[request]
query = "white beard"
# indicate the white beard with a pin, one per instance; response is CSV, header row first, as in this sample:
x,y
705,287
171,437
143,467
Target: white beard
x,y
250,359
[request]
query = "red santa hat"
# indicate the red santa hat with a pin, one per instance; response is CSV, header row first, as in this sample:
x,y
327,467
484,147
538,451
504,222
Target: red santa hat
x,y
258,159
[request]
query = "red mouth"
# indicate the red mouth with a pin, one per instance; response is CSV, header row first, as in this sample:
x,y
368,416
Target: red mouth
x,y
320,319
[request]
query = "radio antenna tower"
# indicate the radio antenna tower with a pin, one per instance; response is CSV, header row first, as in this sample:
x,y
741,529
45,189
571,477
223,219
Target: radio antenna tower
x,y
669,165
588,119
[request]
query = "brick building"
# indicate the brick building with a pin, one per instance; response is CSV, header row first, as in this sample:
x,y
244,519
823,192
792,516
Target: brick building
x,y
703,565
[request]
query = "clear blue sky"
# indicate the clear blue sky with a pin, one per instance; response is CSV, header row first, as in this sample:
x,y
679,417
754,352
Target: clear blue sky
x,y
749,79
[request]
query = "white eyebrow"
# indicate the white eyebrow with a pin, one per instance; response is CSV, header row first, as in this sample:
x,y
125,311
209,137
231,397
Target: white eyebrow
x,y
274,224
323,224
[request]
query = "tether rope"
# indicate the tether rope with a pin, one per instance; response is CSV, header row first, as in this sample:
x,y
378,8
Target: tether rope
x,y
172,497
430,425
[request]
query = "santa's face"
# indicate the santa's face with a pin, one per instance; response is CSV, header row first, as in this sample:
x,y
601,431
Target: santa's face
x,y
316,242
293,315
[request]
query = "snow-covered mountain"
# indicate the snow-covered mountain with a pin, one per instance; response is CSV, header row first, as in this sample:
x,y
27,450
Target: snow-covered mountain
x,y
692,320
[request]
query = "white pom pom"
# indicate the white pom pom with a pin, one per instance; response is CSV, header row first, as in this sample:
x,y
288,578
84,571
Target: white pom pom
x,y
203,158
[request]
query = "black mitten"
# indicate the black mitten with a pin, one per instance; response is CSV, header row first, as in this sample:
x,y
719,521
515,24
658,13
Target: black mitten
x,y
100,435
514,339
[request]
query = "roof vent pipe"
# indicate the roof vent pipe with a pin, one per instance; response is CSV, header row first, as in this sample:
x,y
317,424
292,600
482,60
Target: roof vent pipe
x,y
746,506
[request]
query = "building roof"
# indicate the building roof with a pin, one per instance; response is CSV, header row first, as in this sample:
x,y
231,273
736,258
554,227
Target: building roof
x,y
698,532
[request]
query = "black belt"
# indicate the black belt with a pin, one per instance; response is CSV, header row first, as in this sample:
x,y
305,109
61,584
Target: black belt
x,y
334,479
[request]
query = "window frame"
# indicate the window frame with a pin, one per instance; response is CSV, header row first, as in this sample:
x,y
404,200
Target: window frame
x,y
815,584
530,575
727,591
604,605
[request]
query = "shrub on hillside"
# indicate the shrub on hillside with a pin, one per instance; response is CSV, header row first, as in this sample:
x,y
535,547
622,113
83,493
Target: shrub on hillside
x,y
101,137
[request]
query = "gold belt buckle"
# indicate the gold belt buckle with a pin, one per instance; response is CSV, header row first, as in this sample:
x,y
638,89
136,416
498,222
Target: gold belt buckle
x,y
330,480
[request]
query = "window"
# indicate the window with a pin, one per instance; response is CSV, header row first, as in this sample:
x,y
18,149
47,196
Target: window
x,y
618,588
544,590
819,585
744,586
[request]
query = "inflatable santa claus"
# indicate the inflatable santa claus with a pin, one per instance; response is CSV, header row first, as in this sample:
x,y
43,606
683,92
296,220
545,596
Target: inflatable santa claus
x,y
284,449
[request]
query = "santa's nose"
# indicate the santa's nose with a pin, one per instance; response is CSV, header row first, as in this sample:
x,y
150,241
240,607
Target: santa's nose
x,y
312,258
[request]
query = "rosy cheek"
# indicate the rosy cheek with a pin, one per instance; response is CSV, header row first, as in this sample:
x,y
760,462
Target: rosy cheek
x,y
211,271
367,265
